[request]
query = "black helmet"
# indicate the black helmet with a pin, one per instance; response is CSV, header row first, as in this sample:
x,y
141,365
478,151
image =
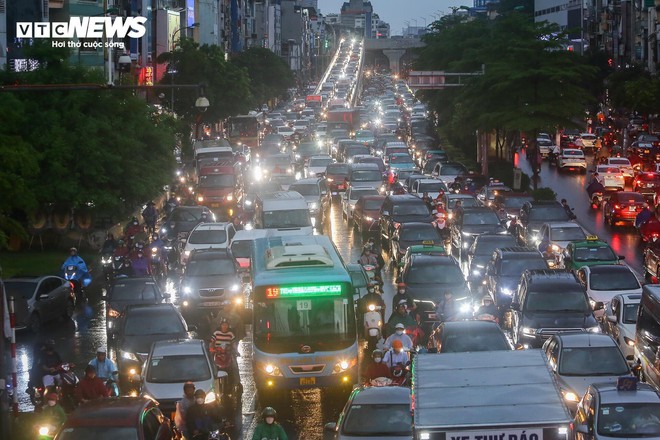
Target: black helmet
x,y
269,411
189,384
200,393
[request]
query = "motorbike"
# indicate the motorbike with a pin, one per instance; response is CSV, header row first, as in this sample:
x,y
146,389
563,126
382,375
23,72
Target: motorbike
x,y
172,254
47,431
219,433
596,200
649,230
400,374
224,359
79,280
156,261
68,383
373,325
112,386
108,269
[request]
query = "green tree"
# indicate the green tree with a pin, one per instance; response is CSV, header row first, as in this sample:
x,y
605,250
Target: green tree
x,y
107,149
226,86
270,76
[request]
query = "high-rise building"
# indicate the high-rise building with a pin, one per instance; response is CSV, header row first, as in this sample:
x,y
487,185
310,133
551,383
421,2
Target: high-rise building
x,y
356,17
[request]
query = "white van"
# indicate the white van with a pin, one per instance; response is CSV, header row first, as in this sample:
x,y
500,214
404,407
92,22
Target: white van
x,y
285,212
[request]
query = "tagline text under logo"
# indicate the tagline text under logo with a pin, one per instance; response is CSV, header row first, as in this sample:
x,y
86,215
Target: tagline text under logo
x,y
85,27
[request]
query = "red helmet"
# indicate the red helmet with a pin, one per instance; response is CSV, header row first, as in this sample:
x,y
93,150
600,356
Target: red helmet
x,y
401,285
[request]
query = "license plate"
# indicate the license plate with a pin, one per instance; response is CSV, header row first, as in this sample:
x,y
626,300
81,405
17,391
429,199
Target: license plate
x,y
647,151
215,205
631,208
334,193
212,304
433,316
307,381
340,186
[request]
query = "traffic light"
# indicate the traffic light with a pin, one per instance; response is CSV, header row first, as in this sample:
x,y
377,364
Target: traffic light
x,y
326,43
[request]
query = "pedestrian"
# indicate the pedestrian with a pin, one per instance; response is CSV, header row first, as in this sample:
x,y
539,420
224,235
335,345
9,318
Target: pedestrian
x,y
269,429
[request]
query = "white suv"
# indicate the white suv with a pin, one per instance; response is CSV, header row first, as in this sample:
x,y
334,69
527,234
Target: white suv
x,y
208,236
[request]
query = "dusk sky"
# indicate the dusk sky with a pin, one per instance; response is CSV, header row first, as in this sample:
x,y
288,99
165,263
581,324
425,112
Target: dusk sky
x,y
396,12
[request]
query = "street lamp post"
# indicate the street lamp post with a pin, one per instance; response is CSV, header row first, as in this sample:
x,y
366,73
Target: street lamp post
x,y
424,18
192,26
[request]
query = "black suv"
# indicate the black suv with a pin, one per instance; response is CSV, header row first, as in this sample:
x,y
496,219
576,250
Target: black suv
x,y
533,215
475,221
480,254
401,209
548,302
504,269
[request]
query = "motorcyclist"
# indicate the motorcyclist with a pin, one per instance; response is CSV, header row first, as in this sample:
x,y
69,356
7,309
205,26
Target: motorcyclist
x,y
458,211
132,229
440,220
121,250
202,418
269,429
75,260
377,368
456,185
223,338
204,217
376,252
568,209
140,264
396,355
373,296
49,362
109,245
402,295
52,413
182,407
644,216
161,252
150,216
400,316
426,198
171,203
399,335
105,367
447,307
90,386
595,186
236,221
367,258
487,307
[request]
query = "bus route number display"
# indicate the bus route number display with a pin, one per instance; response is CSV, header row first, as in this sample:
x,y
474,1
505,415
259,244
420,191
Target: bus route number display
x,y
293,291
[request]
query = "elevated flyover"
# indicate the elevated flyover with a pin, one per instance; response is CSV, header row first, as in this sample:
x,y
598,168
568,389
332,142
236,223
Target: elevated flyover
x,y
397,51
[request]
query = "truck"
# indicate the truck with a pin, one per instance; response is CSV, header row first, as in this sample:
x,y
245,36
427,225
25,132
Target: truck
x,y
343,118
489,395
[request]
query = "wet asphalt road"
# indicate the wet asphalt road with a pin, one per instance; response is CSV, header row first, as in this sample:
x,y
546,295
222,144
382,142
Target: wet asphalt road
x,y
304,412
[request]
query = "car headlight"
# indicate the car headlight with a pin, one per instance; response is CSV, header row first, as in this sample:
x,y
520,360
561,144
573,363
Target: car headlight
x,y
529,331
129,356
210,397
229,197
200,198
570,396
112,313
234,288
369,219
506,292
248,203
187,290
313,205
594,329
466,234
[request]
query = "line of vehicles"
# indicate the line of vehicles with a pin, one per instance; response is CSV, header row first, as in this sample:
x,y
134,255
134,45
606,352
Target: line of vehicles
x,y
443,230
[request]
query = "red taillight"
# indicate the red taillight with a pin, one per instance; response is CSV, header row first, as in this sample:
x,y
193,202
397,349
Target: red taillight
x,y
617,206
71,286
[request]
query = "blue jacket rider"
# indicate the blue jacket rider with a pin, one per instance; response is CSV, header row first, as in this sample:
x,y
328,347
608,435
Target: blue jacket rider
x,y
643,216
75,260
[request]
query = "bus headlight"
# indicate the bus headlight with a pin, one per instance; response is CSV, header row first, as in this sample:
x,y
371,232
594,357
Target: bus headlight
x,y
200,198
570,396
187,290
269,369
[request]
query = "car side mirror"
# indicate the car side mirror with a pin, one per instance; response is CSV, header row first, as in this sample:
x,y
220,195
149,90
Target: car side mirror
x,y
385,214
192,328
515,306
330,427
598,305
43,296
622,257
611,318
222,374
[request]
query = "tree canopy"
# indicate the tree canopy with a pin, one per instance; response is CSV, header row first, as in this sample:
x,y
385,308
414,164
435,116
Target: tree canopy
x,y
270,76
529,83
104,149
226,85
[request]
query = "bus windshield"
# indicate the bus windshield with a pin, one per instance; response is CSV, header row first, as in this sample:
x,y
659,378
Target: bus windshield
x,y
246,126
328,321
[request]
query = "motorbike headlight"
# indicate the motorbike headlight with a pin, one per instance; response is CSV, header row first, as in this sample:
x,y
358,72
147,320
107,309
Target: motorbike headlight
x,y
112,313
476,272
554,248
129,356
465,308
372,307
210,397
200,198
506,292
594,329
229,197
44,430
570,396
186,253
154,249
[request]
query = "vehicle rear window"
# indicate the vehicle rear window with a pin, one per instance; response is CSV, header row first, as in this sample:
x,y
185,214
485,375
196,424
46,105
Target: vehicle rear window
x,y
516,266
601,253
337,168
619,161
376,420
410,209
241,248
373,204
20,289
548,213
206,236
210,267
471,340
592,361
486,247
153,322
134,292
551,299
434,274
170,369
306,189
420,234
452,170
618,280
567,234
184,215
366,176
577,153
480,218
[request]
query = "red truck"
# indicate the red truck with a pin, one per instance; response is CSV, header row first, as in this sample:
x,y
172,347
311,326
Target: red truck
x,y
347,119
218,186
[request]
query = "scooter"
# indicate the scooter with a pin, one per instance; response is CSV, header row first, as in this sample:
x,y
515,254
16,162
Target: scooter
x,y
157,266
108,269
224,359
79,280
373,325
68,383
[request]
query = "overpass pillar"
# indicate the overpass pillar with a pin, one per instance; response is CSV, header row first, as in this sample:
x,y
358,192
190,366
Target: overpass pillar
x,y
394,55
